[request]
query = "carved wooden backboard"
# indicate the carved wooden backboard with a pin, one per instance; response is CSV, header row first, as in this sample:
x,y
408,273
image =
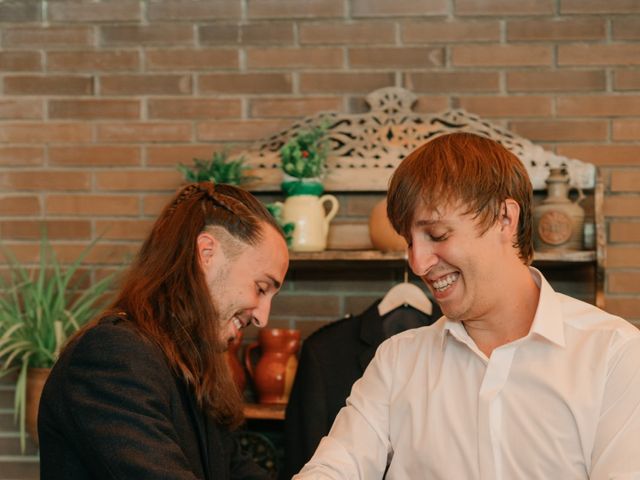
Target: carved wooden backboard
x,y
366,148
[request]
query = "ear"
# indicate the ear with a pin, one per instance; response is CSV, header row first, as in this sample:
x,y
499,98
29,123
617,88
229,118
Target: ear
x,y
206,245
509,218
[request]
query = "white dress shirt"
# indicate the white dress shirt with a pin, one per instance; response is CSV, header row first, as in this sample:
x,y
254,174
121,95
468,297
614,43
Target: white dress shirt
x,y
563,402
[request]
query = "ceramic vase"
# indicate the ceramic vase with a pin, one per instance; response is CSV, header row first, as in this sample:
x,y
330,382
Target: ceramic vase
x,y
383,236
311,216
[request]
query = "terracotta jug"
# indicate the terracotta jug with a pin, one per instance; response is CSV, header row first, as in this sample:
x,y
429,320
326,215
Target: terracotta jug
x,y
558,222
383,236
311,220
233,360
36,378
274,372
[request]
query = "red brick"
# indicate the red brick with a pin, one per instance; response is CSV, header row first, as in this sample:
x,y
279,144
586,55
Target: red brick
x,y
147,180
621,206
146,84
153,204
623,257
624,232
90,11
598,105
219,34
94,155
20,11
450,31
273,57
510,106
21,156
51,85
293,107
598,6
247,130
267,33
46,180
603,155
189,60
19,205
557,29
398,8
302,305
56,229
626,28
295,9
626,130
344,82
557,81
144,35
47,37
356,33
452,82
93,60
16,61
623,282
504,7
500,55
560,130
172,155
92,205
396,57
20,109
431,104
94,109
626,79
590,54
172,11
124,229
183,108
101,253
247,83
46,132
144,132
625,181
625,307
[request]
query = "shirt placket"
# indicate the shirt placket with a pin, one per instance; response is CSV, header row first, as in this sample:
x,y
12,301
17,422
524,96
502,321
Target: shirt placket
x,y
490,413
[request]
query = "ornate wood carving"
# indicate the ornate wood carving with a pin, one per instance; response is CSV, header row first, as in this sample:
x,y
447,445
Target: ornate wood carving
x,y
366,148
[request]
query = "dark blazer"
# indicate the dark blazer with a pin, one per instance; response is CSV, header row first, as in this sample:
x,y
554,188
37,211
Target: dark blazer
x,y
113,409
331,360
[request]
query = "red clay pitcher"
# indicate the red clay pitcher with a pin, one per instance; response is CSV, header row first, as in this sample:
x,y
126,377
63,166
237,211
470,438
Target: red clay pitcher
x,y
274,372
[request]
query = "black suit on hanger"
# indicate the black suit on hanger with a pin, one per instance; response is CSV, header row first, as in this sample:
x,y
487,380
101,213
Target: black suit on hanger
x,y
331,360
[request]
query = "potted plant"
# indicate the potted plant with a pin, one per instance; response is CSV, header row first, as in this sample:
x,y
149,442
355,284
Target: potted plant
x,y
219,169
39,309
303,160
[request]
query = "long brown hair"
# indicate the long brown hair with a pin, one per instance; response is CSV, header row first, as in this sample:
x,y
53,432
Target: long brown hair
x,y
462,167
164,292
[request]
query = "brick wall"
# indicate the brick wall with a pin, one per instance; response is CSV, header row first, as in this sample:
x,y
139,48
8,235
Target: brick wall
x,y
101,100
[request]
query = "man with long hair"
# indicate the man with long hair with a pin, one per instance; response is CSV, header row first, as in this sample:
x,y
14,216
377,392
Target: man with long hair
x,y
144,391
515,381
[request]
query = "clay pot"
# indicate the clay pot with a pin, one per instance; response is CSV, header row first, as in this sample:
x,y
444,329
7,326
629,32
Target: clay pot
x,y
36,378
383,236
274,372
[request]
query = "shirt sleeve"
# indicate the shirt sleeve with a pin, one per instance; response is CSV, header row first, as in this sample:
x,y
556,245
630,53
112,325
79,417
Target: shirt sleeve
x,y
358,446
616,454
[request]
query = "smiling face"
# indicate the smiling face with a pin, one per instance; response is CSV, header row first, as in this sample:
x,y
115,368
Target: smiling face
x,y
242,279
463,268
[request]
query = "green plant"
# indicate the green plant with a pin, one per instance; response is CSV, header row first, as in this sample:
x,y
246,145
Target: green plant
x,y
275,209
220,169
39,309
305,155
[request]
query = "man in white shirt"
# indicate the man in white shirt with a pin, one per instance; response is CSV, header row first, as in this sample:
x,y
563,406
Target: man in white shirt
x,y
515,381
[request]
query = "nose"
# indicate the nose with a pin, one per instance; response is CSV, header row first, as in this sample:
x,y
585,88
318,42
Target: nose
x,y
261,314
422,258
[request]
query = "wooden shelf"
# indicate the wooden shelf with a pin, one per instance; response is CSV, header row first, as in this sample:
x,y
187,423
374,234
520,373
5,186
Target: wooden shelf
x,y
258,411
576,256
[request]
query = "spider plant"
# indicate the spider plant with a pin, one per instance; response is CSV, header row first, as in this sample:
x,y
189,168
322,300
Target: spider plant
x,y
39,309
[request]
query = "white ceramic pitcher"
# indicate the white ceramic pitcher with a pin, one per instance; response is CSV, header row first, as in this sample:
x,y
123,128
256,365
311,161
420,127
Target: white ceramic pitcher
x,y
311,220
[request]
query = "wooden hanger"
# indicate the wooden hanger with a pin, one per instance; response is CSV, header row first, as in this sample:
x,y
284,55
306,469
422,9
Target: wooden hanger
x,y
405,293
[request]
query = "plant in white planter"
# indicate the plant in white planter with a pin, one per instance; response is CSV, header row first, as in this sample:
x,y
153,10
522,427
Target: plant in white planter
x,y
39,309
304,159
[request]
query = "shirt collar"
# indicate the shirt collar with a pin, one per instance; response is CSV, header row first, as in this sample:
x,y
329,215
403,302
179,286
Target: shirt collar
x,y
547,322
